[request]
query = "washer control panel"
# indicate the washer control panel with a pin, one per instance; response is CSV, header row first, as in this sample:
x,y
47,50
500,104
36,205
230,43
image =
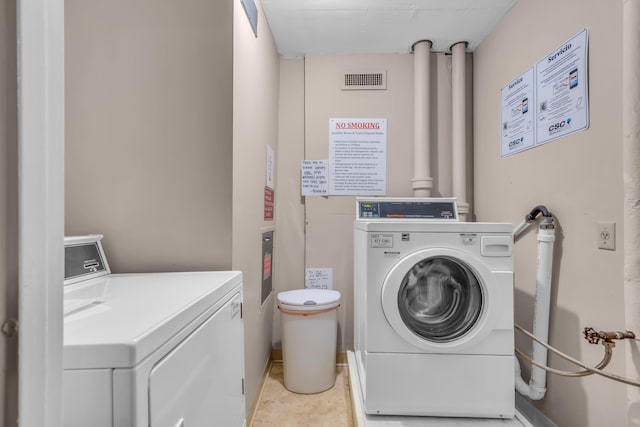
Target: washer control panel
x,y
436,209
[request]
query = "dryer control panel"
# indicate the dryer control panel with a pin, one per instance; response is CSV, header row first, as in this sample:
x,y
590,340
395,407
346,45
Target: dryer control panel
x,y
84,258
417,208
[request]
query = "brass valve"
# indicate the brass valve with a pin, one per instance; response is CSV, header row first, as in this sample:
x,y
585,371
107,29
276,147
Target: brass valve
x,y
594,337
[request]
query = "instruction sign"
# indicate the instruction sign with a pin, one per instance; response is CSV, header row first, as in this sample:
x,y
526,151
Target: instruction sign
x,y
549,100
318,278
358,157
315,178
518,116
562,90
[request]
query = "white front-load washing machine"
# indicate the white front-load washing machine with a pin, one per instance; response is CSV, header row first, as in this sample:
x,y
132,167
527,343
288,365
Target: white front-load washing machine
x,y
433,310
157,349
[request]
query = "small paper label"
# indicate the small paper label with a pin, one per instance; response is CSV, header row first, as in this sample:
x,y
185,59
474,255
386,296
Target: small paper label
x,y
382,241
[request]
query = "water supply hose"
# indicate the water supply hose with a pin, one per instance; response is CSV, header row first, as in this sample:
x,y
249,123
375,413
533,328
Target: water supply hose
x,y
536,388
530,218
609,344
536,211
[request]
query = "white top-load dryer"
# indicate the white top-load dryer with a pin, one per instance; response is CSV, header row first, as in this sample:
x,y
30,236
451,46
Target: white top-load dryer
x,y
433,310
158,349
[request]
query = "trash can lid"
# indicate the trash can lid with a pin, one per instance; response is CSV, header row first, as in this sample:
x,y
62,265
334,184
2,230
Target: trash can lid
x,y
309,297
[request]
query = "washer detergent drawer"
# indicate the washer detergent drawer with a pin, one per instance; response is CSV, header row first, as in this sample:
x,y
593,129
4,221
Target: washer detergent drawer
x,y
200,382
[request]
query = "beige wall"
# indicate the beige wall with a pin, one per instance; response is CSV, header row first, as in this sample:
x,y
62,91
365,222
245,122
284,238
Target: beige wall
x,y
8,211
149,131
329,220
290,239
255,125
578,178
319,230
324,225
150,125
310,87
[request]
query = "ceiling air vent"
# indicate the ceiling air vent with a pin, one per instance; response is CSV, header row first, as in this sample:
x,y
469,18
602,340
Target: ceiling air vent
x,y
364,81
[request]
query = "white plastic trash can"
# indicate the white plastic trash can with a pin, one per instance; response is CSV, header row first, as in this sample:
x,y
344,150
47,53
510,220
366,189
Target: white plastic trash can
x,y
309,335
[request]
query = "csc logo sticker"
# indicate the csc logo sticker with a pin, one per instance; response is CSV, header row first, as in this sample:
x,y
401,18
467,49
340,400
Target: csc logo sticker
x,y
513,144
559,126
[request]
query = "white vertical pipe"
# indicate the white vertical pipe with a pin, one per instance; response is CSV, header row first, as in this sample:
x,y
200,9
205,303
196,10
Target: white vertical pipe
x,y
459,123
631,182
546,239
442,117
537,387
422,181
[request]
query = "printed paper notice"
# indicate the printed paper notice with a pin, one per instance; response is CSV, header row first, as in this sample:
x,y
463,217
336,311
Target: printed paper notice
x,y
318,278
315,179
357,157
561,83
270,167
518,116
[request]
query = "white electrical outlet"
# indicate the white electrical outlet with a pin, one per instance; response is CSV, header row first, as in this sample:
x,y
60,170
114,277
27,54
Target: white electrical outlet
x,y
607,235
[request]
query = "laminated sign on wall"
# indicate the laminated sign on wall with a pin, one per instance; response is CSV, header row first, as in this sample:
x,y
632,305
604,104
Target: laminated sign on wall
x,y
561,84
358,157
549,100
518,118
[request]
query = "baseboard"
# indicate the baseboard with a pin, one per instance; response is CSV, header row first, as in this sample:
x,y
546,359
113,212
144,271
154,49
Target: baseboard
x,y
341,356
256,399
531,413
276,355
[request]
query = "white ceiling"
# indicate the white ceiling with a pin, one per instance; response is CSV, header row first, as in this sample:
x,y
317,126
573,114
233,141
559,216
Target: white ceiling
x,y
311,27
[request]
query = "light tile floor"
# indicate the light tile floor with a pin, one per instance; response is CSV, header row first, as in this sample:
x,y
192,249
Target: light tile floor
x,y
280,407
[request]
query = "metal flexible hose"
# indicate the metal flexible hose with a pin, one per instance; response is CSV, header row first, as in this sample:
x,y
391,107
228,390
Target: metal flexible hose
x,y
605,361
590,370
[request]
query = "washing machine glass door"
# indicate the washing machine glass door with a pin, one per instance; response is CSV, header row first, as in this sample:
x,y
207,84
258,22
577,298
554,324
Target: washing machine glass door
x,y
440,299
435,298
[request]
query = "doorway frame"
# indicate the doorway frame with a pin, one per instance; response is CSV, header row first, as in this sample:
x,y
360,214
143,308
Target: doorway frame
x,y
40,34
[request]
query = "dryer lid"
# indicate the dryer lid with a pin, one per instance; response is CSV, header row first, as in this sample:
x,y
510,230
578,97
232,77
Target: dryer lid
x,y
139,313
309,297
